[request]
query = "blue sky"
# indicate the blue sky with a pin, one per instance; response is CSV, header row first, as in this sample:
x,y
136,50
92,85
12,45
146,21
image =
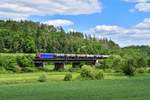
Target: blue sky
x,y
127,22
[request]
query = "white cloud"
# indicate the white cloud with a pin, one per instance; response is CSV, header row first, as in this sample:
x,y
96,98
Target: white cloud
x,y
140,5
26,8
138,34
144,24
136,1
143,7
108,29
59,22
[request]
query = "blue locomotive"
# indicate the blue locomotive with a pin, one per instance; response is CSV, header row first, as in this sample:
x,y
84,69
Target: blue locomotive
x,y
46,55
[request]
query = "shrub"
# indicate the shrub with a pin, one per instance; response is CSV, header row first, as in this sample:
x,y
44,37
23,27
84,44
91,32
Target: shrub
x,y
2,70
140,70
87,72
42,78
148,70
68,77
141,62
128,68
17,69
99,75
25,61
9,63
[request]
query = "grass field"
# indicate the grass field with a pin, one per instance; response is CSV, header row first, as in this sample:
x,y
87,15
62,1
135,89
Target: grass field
x,y
135,88
10,78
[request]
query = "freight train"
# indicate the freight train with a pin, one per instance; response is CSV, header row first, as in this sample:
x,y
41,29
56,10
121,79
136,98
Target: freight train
x,y
54,56
60,59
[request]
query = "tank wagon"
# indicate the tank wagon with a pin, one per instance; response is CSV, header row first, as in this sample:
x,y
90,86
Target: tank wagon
x,y
60,59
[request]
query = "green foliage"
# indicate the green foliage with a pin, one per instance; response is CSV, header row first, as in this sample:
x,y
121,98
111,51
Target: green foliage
x,y
129,67
140,54
31,37
16,69
99,75
114,62
42,78
87,72
117,63
17,63
9,63
25,61
148,70
68,77
148,62
140,70
141,62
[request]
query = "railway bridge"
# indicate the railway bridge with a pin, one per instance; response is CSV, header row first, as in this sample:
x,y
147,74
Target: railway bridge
x,y
60,60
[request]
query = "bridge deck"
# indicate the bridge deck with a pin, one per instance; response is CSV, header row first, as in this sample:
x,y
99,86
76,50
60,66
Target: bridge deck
x,y
60,59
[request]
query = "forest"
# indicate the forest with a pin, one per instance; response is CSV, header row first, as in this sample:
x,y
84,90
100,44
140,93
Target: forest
x,y
31,37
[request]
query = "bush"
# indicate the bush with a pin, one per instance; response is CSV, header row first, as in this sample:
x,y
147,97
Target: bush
x,y
99,75
87,72
148,70
3,70
42,78
140,70
68,77
17,69
128,68
25,61
9,63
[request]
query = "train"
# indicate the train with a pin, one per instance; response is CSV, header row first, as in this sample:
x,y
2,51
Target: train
x,y
54,55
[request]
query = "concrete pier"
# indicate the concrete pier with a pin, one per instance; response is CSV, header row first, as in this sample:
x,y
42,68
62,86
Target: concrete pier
x,y
38,64
59,66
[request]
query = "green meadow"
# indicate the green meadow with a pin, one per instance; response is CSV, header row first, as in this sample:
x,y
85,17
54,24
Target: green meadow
x,y
13,78
131,88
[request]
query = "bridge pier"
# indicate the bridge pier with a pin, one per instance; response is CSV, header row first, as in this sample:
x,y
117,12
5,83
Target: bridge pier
x,y
39,64
59,66
76,65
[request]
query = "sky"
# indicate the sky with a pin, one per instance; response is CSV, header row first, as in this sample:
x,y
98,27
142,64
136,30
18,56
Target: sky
x,y
127,22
